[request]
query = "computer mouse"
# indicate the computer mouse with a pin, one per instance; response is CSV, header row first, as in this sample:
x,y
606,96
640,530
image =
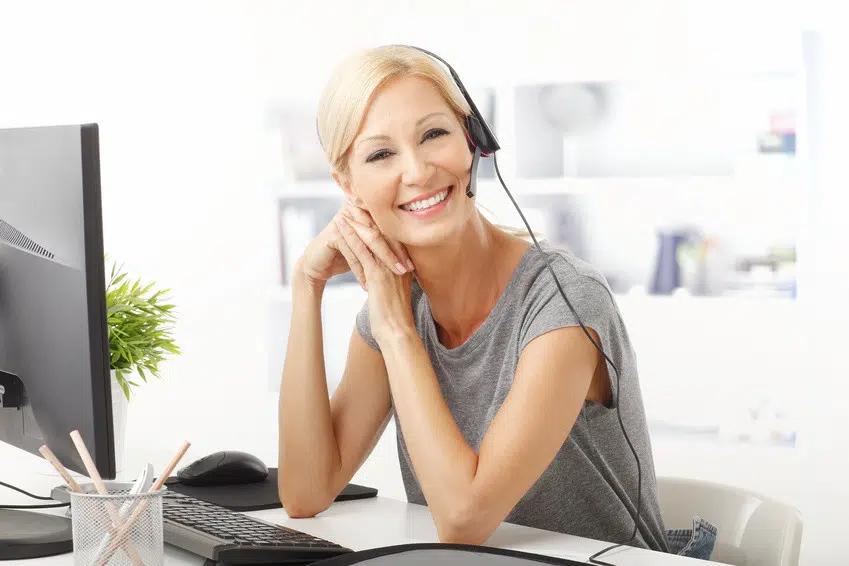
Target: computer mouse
x,y
228,467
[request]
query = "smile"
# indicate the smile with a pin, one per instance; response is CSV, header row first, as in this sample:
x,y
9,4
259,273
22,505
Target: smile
x,y
427,203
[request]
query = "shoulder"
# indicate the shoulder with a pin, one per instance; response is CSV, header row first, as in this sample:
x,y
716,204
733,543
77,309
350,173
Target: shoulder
x,y
581,282
540,305
589,302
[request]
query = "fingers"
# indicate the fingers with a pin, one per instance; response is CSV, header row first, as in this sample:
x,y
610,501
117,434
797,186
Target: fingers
x,y
363,256
353,261
399,252
374,242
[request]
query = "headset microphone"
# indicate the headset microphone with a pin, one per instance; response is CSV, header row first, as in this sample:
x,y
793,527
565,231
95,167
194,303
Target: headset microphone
x,y
472,187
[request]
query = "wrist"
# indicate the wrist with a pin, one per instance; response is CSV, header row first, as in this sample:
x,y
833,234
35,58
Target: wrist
x,y
397,337
303,284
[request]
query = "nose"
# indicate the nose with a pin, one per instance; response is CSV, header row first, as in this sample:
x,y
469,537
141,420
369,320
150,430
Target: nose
x,y
417,168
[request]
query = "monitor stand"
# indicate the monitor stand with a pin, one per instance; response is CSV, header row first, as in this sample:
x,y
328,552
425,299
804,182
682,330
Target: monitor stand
x,y
29,534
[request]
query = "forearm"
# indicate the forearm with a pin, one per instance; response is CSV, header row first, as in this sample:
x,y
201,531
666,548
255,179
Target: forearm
x,y
308,452
444,463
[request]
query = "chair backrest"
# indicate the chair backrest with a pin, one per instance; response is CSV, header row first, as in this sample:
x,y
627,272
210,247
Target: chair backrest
x,y
752,530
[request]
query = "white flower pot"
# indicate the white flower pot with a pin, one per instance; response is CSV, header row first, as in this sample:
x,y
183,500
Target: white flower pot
x,y
119,422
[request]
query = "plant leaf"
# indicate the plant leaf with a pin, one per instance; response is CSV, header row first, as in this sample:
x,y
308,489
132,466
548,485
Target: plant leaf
x,y
140,324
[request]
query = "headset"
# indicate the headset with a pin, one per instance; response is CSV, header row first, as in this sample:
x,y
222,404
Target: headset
x,y
482,142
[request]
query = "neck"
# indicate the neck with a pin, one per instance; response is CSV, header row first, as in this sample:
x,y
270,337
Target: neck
x,y
463,277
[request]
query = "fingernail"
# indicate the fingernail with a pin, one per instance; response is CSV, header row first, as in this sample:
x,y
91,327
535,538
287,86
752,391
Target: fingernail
x,y
400,269
410,265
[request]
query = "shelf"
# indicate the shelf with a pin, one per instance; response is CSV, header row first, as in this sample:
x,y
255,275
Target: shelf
x,y
711,304
727,185
600,185
585,186
307,190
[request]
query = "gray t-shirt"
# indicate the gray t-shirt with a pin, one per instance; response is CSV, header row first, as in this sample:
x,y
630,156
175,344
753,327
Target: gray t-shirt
x,y
581,491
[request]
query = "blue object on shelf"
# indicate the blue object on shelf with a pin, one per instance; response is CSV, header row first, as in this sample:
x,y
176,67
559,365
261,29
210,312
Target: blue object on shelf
x,y
788,143
667,271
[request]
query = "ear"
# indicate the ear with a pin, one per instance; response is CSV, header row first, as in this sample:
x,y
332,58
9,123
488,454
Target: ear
x,y
345,184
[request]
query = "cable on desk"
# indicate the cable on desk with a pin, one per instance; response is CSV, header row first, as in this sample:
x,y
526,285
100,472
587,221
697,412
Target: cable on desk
x,y
28,494
46,506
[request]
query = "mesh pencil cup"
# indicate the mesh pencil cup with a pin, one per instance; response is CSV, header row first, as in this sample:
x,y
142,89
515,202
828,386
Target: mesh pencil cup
x,y
117,529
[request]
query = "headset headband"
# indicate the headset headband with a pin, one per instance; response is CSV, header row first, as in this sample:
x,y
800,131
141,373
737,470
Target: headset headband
x,y
482,142
479,131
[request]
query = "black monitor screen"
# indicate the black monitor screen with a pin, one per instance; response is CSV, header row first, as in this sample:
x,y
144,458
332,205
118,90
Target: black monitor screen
x,y
54,365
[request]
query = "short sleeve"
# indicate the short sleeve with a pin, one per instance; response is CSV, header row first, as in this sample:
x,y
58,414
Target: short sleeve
x,y
592,301
364,327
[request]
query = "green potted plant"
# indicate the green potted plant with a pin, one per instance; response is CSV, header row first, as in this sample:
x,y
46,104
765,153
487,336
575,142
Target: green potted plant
x,y
140,325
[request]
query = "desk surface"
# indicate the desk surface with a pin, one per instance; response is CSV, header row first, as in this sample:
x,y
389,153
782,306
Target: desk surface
x,y
363,524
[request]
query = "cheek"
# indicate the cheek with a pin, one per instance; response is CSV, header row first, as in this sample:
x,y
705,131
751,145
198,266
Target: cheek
x,y
457,160
377,189
375,186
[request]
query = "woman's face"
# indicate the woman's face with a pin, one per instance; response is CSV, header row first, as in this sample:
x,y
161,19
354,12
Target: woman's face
x,y
410,164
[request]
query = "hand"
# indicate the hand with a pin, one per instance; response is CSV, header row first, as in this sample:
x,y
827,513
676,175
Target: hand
x,y
329,254
389,294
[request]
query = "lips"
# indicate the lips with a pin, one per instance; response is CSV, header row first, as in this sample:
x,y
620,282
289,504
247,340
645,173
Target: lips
x,y
426,201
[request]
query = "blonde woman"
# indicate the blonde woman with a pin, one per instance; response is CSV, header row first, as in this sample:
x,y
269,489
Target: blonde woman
x,y
505,410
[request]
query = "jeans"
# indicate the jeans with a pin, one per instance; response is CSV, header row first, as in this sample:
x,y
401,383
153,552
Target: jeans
x,y
697,542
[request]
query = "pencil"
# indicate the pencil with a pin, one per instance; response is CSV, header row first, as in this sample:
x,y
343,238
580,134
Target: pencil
x,y
51,457
101,489
122,532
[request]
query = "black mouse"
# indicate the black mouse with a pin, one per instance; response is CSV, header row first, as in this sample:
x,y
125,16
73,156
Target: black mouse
x,y
224,468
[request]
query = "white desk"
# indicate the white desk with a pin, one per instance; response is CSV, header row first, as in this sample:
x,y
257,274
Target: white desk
x,y
359,525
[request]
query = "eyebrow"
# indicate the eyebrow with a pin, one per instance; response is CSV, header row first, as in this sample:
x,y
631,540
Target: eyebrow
x,y
418,123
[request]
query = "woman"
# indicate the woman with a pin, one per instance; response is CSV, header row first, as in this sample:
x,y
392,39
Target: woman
x,y
505,409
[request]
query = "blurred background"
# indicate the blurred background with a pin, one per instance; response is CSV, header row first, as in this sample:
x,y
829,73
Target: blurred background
x,y
693,151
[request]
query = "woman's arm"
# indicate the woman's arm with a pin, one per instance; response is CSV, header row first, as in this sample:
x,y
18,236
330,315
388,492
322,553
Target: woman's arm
x,y
470,494
323,442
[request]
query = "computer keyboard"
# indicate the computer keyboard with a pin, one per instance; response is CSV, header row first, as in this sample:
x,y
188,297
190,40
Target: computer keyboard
x,y
227,537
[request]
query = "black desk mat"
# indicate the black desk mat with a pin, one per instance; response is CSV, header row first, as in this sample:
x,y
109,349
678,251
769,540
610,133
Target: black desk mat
x,y
255,496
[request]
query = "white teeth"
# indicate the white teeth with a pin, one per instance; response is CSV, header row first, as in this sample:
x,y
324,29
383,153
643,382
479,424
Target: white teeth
x,y
426,203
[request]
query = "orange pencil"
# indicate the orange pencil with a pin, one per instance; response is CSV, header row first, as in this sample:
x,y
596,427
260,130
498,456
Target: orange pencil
x,y
125,528
101,489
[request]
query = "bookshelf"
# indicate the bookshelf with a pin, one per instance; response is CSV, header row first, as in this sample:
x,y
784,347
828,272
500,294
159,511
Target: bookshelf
x,y
710,151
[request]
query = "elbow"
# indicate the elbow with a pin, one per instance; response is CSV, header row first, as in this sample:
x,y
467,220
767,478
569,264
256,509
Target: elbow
x,y
299,504
461,536
463,525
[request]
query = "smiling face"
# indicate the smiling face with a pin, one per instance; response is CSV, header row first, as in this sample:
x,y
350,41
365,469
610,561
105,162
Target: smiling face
x,y
410,163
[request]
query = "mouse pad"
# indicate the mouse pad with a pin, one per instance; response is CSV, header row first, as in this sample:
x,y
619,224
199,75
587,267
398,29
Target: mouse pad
x,y
255,496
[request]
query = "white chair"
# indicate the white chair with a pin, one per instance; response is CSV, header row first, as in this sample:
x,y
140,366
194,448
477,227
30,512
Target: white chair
x,y
752,530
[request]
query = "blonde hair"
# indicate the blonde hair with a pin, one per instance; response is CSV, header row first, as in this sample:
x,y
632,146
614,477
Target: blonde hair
x,y
352,86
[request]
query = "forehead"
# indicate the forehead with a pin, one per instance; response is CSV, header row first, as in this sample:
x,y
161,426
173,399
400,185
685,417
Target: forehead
x,y
402,101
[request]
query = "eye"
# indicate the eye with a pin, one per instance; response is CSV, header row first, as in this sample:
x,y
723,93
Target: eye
x,y
378,155
384,153
435,133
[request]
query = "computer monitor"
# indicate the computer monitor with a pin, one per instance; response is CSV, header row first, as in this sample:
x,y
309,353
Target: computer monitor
x,y
54,355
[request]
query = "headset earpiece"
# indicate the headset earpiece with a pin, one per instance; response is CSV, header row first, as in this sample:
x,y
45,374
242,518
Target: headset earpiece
x,y
473,127
478,136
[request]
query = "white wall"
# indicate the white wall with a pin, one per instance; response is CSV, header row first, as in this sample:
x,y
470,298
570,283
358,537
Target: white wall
x,y
824,493
174,88
179,89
